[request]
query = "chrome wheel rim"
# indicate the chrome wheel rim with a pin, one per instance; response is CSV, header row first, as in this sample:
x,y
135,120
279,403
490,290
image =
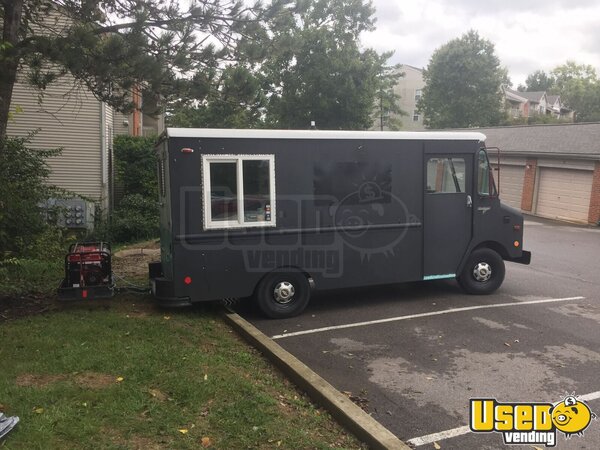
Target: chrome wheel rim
x,y
482,272
284,292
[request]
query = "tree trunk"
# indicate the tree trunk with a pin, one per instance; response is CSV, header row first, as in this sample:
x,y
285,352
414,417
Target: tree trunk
x,y
13,11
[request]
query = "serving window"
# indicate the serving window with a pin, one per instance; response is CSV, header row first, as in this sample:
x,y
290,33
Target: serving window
x,y
239,191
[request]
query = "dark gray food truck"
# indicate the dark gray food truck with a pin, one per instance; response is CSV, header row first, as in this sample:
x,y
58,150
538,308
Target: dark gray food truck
x,y
276,214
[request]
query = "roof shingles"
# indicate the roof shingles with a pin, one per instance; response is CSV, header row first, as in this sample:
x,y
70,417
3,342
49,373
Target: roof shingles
x,y
573,139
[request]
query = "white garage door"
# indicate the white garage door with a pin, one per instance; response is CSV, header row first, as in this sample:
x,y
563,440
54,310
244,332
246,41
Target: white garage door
x,y
511,184
564,193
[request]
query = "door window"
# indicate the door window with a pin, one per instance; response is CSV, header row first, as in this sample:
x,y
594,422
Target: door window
x,y
445,175
485,178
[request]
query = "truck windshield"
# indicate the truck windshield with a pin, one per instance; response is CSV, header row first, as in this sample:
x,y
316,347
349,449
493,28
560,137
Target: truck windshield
x,y
485,178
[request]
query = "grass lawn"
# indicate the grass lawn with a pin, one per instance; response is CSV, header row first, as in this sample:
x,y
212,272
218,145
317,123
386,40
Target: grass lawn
x,y
123,374
133,376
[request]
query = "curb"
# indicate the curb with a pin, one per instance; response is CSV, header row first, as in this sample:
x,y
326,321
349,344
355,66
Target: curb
x,y
354,419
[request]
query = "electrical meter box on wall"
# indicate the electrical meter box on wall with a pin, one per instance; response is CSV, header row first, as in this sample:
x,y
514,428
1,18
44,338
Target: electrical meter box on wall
x,y
73,213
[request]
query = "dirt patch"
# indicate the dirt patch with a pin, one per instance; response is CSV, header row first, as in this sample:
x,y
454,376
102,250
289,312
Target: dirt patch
x,y
133,262
158,394
129,263
17,307
38,380
90,380
142,443
94,380
136,442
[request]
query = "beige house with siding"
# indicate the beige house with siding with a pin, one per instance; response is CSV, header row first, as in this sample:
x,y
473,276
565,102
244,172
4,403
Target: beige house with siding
x,y
74,120
409,88
69,117
527,104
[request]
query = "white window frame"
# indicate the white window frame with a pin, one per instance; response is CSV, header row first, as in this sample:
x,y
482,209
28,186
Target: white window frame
x,y
416,115
210,224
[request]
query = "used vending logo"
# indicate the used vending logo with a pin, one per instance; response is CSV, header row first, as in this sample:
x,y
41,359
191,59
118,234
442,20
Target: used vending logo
x,y
530,423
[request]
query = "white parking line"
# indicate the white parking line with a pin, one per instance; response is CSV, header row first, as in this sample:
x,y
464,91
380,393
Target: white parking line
x,y
436,437
427,314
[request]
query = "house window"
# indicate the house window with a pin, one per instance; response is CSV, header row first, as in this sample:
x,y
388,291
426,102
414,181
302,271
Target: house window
x,y
416,116
418,93
239,191
445,175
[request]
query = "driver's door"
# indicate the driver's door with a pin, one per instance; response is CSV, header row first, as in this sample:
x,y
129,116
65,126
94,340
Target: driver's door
x,y
448,212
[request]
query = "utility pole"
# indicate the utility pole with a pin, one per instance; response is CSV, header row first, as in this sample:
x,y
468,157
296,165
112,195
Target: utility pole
x,y
381,111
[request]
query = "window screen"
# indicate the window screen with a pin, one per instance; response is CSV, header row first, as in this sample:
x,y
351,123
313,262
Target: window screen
x,y
223,191
257,196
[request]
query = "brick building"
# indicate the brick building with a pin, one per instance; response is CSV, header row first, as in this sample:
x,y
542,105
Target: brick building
x,y
550,170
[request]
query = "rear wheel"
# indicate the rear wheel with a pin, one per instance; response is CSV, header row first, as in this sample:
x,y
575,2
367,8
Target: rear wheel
x,y
283,294
483,273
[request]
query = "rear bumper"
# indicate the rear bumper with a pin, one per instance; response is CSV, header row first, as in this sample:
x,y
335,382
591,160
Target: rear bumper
x,y
163,289
525,258
69,293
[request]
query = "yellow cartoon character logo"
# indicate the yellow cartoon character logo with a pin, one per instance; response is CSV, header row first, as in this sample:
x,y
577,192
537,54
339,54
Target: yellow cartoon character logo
x,y
572,416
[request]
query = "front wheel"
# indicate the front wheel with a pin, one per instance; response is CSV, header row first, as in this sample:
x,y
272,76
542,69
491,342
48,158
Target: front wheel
x,y
483,273
283,294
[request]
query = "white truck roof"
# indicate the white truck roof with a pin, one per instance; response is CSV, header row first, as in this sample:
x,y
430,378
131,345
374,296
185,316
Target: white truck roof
x,y
324,134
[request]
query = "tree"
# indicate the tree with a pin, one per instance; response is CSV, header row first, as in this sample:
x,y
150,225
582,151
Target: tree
x,y
463,85
235,100
316,70
538,81
387,108
577,84
579,88
306,67
112,47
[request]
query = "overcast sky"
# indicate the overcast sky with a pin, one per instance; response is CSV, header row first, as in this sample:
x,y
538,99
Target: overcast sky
x,y
528,34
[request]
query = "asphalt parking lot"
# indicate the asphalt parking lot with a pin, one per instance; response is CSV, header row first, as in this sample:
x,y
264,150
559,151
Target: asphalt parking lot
x,y
414,354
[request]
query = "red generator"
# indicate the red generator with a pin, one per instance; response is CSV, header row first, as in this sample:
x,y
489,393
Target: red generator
x,y
88,272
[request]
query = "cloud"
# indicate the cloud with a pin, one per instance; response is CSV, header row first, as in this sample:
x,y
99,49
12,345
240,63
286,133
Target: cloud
x,y
528,35
514,6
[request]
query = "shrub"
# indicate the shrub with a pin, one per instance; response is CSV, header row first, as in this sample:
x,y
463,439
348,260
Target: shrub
x,y
135,219
135,163
20,276
23,189
31,250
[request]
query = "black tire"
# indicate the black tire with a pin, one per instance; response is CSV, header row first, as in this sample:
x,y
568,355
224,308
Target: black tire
x,y
276,305
475,277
